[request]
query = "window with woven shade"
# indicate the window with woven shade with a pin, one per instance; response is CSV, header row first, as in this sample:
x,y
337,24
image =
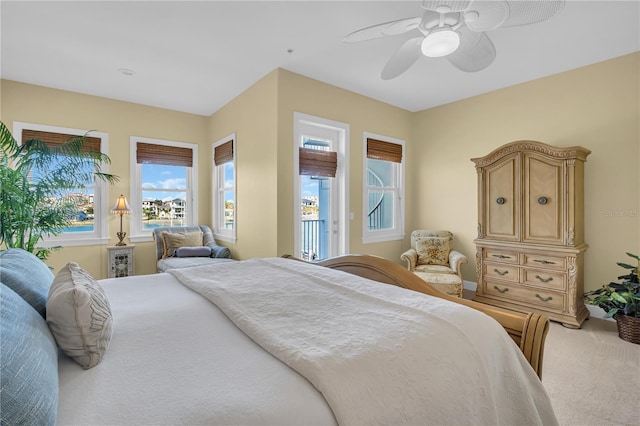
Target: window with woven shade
x,y
224,188
90,224
163,185
383,182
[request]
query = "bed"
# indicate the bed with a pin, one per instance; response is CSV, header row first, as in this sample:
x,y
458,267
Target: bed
x,y
281,341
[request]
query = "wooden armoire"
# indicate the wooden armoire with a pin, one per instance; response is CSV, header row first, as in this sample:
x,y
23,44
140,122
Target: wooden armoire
x,y
530,245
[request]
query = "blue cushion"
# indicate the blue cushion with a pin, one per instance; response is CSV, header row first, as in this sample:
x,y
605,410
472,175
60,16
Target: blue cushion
x,y
29,378
28,276
201,251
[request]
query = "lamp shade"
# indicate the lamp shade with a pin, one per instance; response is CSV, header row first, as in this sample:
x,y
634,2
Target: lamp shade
x,y
440,42
121,206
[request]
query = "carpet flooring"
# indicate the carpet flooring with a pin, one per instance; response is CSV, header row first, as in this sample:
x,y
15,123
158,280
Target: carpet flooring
x,y
591,375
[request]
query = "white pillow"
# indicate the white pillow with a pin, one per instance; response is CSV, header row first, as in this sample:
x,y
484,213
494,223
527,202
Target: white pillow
x,y
79,315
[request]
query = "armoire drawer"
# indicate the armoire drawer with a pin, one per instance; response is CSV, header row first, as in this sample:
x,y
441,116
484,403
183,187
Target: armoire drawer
x,y
546,262
501,256
501,271
545,299
550,280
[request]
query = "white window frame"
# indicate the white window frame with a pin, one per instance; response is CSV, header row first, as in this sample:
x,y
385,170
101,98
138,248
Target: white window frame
x,y
100,202
217,202
397,231
137,234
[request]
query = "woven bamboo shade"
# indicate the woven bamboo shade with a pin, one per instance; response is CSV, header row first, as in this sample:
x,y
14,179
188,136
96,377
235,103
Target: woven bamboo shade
x,y
223,153
54,139
315,162
147,153
386,151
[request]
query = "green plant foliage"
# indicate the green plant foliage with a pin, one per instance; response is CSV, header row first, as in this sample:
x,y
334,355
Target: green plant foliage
x,y
619,298
33,181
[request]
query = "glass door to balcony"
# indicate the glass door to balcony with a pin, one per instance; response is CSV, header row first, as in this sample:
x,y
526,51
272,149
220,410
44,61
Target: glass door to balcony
x,y
320,214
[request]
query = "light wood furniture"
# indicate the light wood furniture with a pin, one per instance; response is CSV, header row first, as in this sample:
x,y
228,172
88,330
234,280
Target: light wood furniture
x,y
528,330
121,262
530,245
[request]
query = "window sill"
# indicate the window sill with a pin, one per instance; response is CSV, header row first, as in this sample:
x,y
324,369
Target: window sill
x,y
368,239
71,242
141,238
226,238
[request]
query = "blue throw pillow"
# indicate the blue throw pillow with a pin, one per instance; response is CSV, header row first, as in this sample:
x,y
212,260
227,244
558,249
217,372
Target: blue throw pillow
x,y
29,368
199,251
28,276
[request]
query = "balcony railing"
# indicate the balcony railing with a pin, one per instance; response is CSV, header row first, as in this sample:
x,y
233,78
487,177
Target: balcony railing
x,y
374,214
311,241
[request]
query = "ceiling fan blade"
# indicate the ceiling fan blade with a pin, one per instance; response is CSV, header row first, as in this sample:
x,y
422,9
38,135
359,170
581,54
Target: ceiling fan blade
x,y
450,5
530,12
399,26
486,15
404,57
475,53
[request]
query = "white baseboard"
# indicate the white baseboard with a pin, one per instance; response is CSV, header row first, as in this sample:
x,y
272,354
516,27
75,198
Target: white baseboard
x,y
469,285
594,311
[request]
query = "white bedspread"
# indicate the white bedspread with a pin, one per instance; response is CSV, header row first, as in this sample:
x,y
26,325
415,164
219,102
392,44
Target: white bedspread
x,y
378,354
175,358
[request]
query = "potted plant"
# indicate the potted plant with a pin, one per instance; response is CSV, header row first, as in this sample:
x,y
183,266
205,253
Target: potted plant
x,y
621,301
34,179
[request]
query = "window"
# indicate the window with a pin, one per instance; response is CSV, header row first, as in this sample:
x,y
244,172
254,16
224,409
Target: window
x,y
90,226
163,185
224,187
383,203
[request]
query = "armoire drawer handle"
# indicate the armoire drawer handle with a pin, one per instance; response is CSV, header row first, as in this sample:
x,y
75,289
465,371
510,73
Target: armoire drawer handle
x,y
544,299
543,200
544,280
544,262
501,273
500,200
501,290
501,256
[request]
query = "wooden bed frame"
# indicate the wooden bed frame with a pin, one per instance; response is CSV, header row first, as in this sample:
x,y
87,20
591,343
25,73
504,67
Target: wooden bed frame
x,y
529,330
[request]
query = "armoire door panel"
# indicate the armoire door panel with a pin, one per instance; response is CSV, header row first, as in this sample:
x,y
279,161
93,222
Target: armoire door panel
x,y
502,198
543,200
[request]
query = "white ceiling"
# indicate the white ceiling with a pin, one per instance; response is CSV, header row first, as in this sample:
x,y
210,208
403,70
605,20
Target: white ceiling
x,y
197,56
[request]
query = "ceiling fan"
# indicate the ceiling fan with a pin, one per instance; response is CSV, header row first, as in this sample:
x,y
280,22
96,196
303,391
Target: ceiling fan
x,y
456,30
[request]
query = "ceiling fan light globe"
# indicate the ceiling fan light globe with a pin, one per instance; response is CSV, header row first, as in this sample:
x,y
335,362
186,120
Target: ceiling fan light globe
x,y
440,43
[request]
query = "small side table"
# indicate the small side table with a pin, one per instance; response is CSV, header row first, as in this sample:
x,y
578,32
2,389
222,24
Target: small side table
x,y
120,261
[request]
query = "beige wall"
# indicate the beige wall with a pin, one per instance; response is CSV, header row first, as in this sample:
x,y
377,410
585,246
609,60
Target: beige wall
x,y
252,116
596,107
40,105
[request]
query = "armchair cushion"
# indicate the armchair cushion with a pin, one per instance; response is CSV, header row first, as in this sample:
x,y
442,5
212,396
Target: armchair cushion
x,y
433,250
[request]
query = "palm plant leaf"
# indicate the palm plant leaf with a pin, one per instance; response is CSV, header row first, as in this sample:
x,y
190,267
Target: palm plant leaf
x,y
34,181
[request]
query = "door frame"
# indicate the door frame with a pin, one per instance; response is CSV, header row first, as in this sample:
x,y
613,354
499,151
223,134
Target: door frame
x,y
340,201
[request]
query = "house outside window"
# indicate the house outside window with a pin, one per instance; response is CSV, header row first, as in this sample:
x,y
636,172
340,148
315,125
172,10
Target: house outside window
x,y
224,187
383,183
163,185
90,224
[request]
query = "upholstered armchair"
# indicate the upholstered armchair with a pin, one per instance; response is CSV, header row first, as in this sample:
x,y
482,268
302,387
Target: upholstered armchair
x,y
432,258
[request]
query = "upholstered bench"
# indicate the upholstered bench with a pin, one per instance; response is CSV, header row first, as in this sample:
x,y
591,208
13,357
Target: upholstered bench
x,y
186,246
